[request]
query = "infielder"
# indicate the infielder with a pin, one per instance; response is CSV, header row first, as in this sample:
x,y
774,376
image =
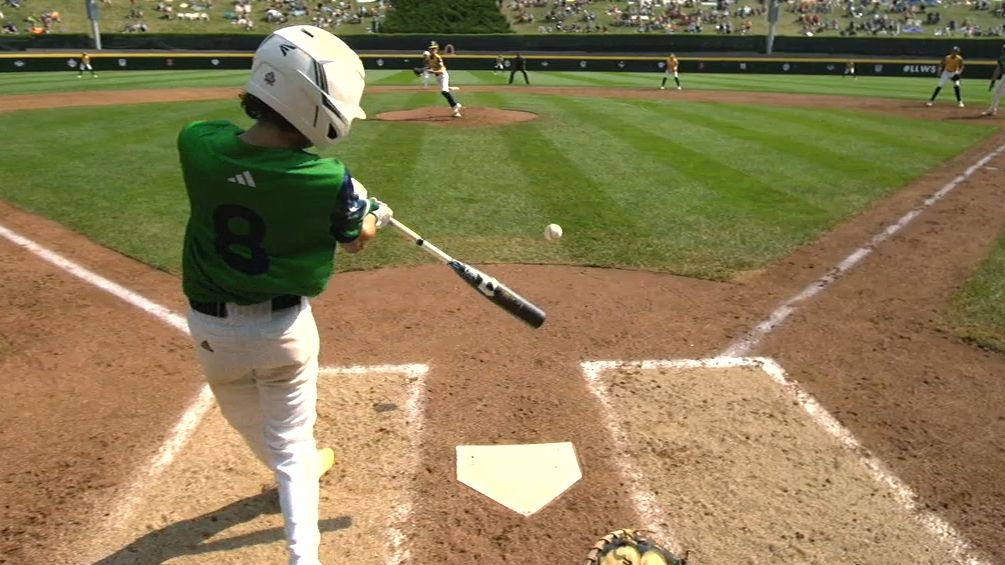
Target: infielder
x,y
500,65
266,217
849,69
997,75
670,70
85,64
439,70
950,70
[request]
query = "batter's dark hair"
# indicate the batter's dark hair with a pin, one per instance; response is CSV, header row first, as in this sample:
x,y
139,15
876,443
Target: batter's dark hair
x,y
258,110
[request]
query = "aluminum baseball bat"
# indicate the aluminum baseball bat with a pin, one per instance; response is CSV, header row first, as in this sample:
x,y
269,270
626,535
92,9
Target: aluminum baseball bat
x,y
488,286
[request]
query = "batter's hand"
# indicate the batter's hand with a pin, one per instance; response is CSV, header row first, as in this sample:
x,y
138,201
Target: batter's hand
x,y
381,211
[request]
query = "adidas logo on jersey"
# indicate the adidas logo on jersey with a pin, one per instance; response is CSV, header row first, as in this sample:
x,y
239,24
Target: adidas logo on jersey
x,y
243,179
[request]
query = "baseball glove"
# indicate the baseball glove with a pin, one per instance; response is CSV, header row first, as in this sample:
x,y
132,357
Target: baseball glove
x,y
630,547
417,71
956,77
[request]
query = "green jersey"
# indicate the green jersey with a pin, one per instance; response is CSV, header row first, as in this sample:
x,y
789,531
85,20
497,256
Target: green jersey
x,y
263,221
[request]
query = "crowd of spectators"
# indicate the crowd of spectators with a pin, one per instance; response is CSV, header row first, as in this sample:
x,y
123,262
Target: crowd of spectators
x,y
643,16
245,14
809,17
34,23
326,14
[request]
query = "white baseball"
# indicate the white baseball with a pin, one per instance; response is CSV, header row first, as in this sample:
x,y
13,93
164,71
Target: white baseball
x,y
553,232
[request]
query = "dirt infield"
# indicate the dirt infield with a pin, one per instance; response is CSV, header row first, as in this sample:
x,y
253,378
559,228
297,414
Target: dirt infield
x,y
94,385
440,115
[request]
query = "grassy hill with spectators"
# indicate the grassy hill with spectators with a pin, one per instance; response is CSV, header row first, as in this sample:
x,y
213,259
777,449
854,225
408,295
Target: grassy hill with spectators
x,y
959,19
831,18
445,16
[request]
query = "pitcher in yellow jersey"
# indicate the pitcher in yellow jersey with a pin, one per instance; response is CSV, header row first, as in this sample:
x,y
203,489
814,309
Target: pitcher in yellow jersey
x,y
669,70
950,70
439,70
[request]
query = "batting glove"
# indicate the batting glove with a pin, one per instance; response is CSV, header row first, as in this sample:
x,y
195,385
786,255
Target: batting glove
x,y
381,211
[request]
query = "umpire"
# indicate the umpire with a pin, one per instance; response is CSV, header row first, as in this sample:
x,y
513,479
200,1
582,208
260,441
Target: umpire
x,y
519,64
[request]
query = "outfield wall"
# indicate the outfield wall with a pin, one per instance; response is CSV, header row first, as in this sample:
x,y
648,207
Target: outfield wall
x,y
903,46
105,61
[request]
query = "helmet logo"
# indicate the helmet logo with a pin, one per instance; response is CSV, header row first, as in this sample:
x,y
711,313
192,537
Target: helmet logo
x,y
270,78
286,48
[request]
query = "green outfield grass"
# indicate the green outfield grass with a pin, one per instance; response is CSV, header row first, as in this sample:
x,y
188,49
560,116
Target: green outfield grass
x,y
698,189
979,307
974,85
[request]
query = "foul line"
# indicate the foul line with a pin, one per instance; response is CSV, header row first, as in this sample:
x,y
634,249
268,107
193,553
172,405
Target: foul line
x,y
750,340
649,510
186,425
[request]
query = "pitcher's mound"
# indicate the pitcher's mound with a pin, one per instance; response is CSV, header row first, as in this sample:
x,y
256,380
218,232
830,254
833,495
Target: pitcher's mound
x,y
440,116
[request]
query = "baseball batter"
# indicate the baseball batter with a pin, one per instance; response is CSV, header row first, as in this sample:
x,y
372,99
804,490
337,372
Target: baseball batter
x,y
997,75
266,217
670,70
439,70
85,65
950,70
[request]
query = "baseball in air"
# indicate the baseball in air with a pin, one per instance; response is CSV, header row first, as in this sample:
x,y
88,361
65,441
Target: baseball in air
x,y
553,232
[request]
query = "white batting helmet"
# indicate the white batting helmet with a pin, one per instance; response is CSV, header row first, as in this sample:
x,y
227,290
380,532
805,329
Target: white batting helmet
x,y
311,78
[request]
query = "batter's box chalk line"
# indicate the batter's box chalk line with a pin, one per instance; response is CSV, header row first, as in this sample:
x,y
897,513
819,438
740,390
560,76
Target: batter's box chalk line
x,y
646,505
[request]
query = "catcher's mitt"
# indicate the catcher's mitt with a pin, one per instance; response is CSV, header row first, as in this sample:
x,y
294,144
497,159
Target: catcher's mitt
x,y
630,547
417,71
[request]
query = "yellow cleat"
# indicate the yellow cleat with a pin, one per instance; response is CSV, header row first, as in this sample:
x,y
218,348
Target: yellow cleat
x,y
326,459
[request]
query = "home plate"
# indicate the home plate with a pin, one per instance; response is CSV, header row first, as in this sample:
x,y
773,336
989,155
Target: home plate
x,y
523,478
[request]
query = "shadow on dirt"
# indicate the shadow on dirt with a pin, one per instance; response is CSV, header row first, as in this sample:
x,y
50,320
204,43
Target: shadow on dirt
x,y
188,536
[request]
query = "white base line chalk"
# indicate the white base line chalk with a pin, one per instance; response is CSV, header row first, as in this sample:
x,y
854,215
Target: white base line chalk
x,y
647,508
400,521
749,341
186,425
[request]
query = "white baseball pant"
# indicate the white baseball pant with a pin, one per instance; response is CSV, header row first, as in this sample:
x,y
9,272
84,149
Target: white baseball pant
x,y
996,95
947,76
262,367
443,79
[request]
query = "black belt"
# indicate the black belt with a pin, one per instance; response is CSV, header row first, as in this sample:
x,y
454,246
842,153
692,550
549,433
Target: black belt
x,y
219,309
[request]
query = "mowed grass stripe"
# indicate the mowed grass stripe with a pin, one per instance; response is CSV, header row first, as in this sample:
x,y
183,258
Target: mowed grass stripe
x,y
747,220
824,170
665,139
385,157
877,131
122,187
118,80
834,158
674,225
558,170
462,192
861,168
809,170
